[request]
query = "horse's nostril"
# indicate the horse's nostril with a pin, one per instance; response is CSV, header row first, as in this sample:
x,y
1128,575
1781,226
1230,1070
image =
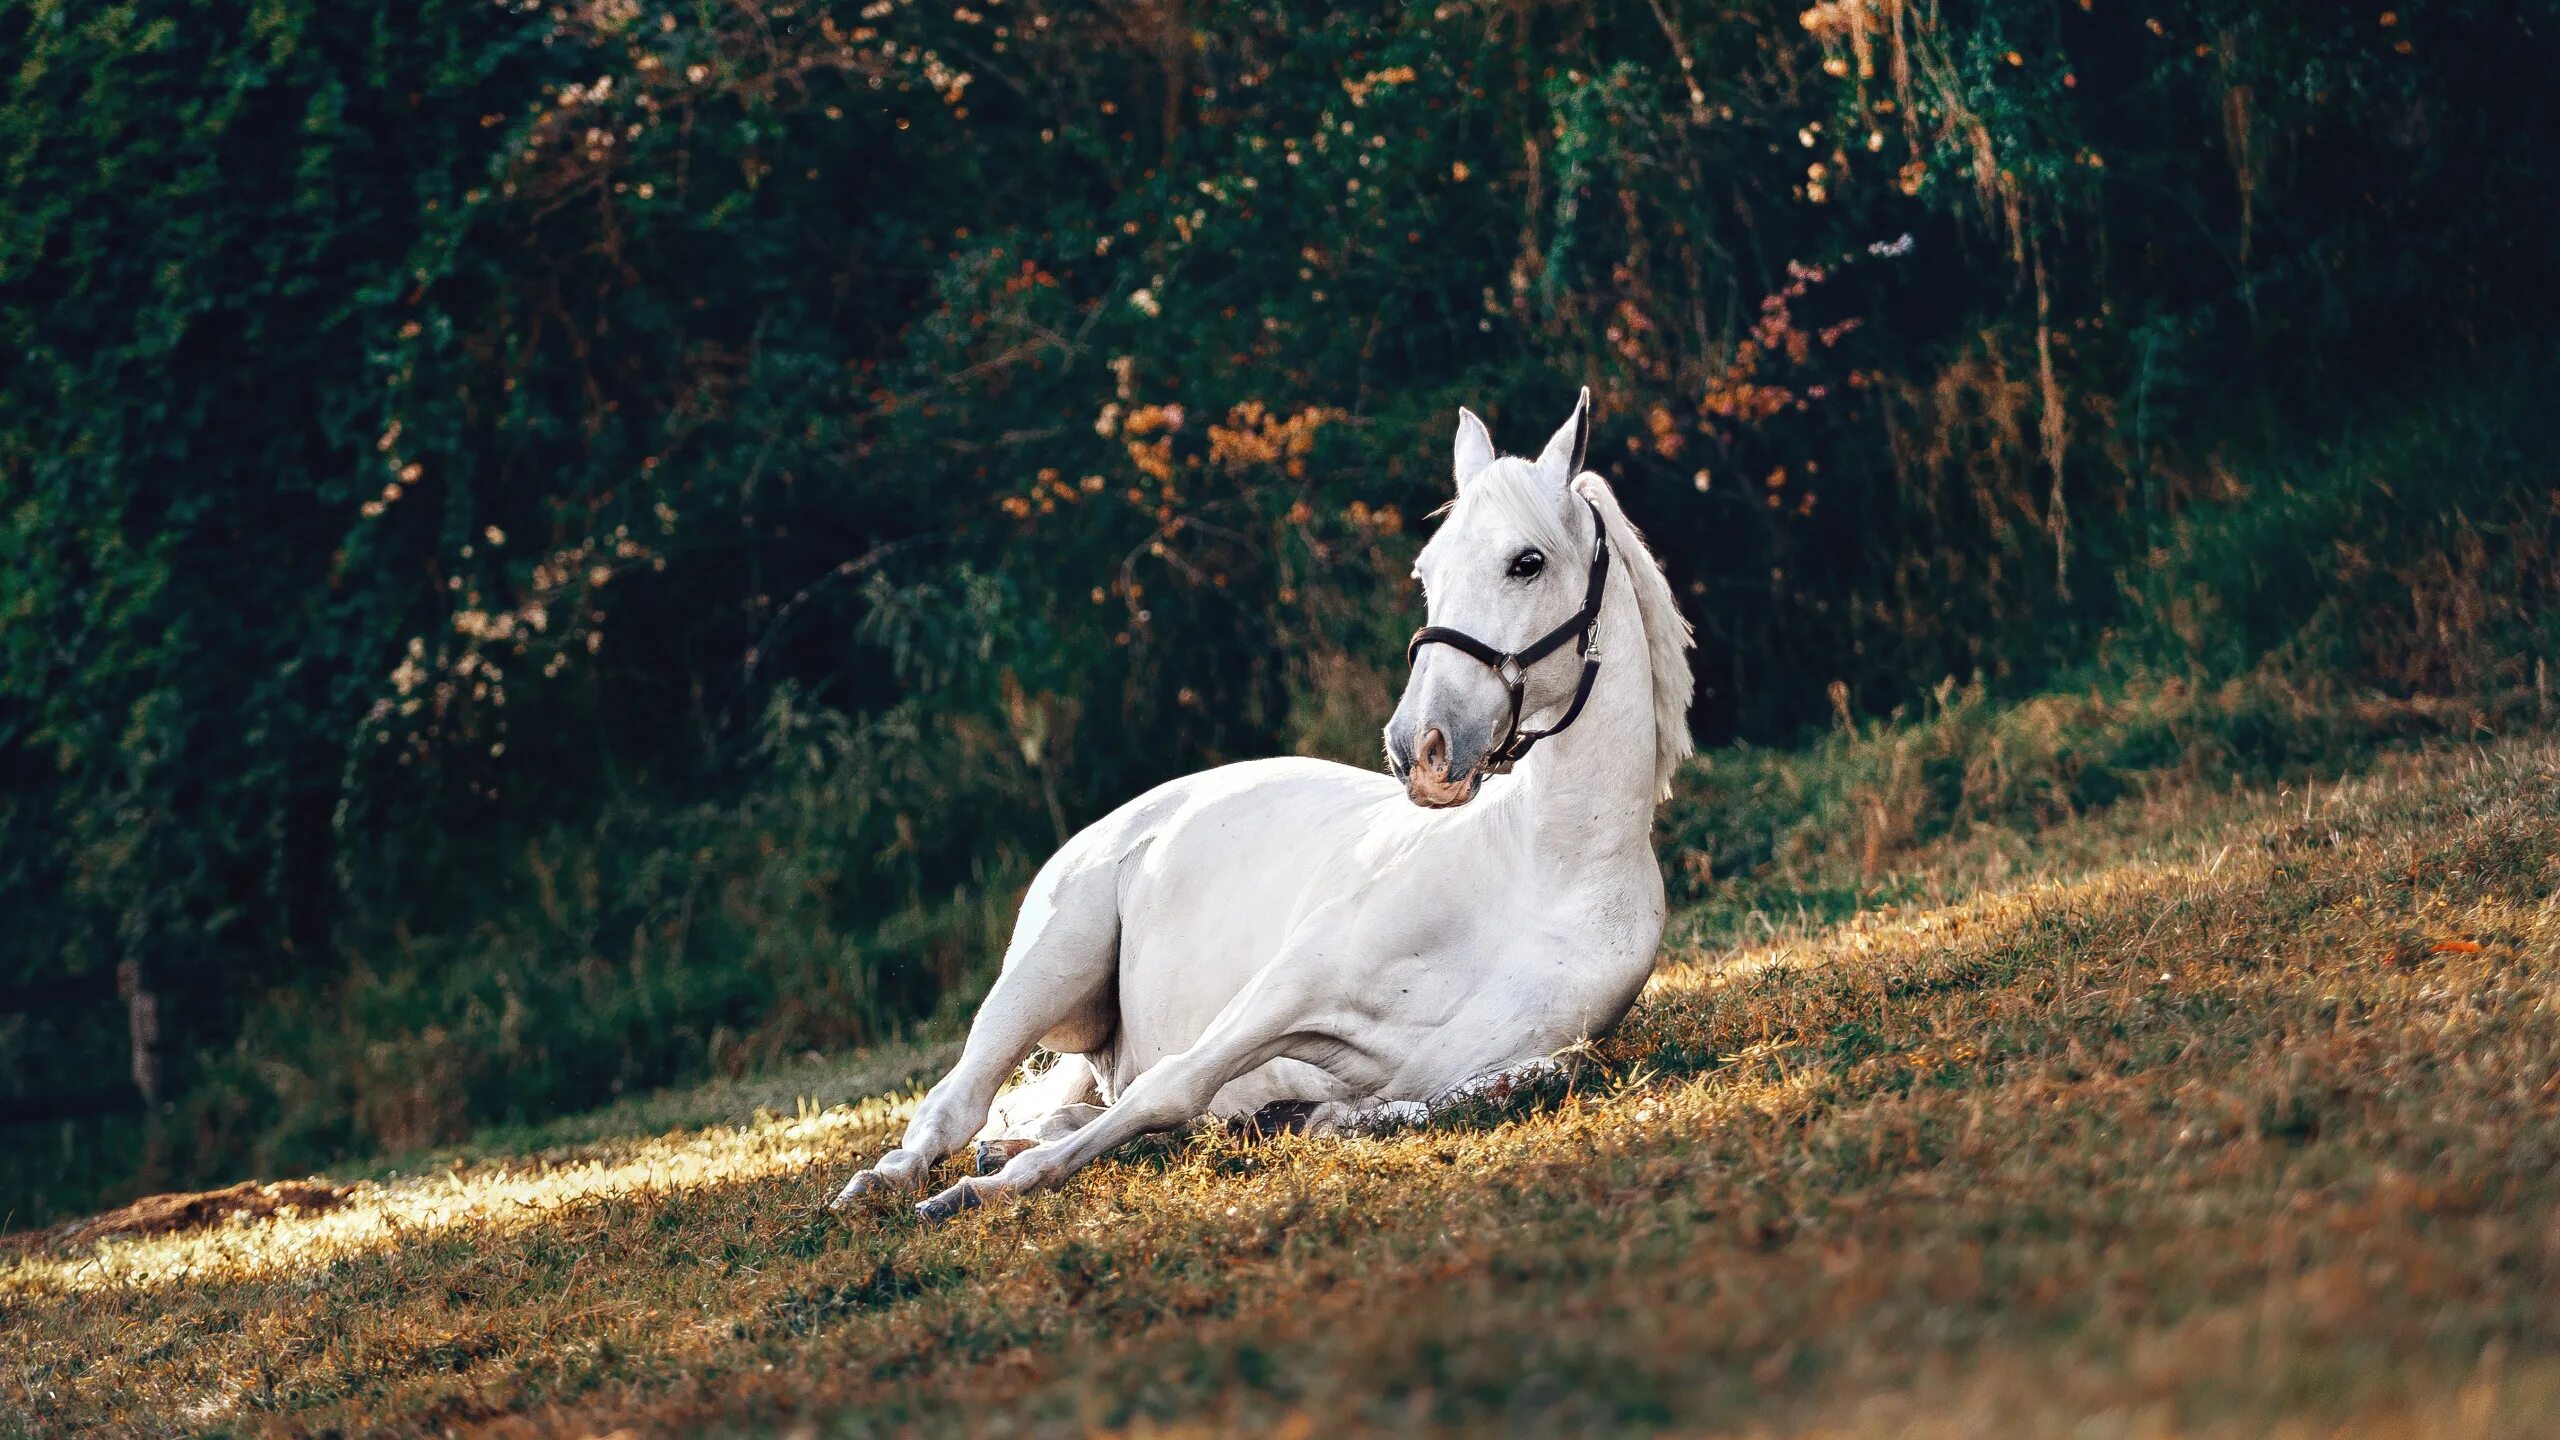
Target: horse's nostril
x,y
1432,757
1430,781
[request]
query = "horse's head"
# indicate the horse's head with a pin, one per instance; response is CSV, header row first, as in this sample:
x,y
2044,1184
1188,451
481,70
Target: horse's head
x,y
1509,568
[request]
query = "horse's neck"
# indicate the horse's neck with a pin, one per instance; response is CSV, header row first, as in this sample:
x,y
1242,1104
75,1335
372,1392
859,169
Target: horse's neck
x,y
1587,794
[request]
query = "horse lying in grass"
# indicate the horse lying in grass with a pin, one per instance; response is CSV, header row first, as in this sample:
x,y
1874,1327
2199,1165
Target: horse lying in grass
x,y
1297,933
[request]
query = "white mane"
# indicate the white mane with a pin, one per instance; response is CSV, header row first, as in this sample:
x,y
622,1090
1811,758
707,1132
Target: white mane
x,y
1666,632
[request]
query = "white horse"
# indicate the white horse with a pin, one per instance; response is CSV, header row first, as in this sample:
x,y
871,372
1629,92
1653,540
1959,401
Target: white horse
x,y
1294,931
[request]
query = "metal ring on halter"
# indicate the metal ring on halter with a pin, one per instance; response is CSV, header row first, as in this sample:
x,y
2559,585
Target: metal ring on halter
x,y
1512,667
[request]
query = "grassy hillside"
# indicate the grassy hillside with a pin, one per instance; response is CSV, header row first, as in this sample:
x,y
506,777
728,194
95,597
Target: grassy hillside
x,y
2074,1084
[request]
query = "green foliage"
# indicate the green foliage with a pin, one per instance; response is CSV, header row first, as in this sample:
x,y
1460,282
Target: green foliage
x,y
544,550
654,944
2415,551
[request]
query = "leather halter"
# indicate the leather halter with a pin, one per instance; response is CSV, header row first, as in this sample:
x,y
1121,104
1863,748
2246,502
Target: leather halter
x,y
1583,629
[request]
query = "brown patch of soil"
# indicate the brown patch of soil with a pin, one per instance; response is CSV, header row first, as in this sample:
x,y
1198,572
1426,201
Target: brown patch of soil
x,y
168,1214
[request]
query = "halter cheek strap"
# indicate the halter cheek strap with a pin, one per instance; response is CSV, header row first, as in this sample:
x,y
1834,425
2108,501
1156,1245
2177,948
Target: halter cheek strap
x,y
1582,629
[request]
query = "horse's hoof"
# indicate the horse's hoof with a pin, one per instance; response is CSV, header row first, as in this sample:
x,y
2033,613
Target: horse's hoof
x,y
896,1170
991,1155
951,1202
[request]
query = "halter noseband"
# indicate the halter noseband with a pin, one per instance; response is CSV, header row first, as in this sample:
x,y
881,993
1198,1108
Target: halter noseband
x,y
1582,629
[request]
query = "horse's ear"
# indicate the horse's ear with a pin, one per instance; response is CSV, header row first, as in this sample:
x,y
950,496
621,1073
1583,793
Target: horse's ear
x,y
1475,446
1562,459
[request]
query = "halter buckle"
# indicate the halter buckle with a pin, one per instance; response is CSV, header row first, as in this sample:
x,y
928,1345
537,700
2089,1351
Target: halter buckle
x,y
1510,671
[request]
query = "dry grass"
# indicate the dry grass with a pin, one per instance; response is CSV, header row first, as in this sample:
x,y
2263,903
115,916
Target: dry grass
x,y
2235,1115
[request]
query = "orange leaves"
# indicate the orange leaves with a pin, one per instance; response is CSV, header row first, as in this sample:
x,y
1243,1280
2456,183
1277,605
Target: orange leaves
x,y
1152,419
1739,393
1362,88
1252,435
1664,431
1384,519
1030,277
1836,18
1049,489
1153,458
2409,949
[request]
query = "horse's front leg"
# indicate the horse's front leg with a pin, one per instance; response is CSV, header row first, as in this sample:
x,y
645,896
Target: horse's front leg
x,y
1055,984
1178,1089
1265,1023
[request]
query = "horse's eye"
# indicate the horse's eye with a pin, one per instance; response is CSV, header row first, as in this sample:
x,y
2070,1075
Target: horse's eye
x,y
1527,564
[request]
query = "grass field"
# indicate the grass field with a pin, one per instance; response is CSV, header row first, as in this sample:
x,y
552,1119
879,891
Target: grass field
x,y
2215,1109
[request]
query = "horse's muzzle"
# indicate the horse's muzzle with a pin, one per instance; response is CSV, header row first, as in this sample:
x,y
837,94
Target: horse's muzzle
x,y
1428,782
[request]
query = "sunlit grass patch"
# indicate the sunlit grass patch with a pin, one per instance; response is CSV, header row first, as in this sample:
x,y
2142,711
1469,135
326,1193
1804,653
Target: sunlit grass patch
x,y
2237,1115
481,1200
